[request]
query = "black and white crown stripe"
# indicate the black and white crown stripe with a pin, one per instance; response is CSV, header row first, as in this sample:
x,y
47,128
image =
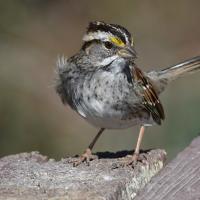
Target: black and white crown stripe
x,y
102,31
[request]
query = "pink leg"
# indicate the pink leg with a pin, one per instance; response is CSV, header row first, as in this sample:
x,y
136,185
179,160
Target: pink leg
x,y
139,141
135,155
87,155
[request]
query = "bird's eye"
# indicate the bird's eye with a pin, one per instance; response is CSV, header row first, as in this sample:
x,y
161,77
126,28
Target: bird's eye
x,y
108,45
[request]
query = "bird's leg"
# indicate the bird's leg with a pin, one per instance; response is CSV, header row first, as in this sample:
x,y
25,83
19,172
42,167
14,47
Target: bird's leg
x,y
135,155
87,155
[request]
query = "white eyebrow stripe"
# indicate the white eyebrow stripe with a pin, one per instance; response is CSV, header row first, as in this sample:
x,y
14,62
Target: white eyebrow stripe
x,y
99,35
122,32
96,26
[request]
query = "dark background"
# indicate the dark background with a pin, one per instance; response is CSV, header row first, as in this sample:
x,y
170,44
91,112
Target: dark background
x,y
34,32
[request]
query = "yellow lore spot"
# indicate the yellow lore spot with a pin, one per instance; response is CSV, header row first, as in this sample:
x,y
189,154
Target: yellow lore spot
x,y
117,41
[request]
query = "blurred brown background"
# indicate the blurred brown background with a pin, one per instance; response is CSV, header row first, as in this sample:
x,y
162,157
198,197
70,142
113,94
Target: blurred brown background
x,y
34,32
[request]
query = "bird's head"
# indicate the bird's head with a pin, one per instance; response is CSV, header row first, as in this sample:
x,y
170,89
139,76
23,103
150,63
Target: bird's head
x,y
104,43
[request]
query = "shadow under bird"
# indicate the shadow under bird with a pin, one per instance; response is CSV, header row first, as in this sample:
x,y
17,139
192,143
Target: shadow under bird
x,y
103,84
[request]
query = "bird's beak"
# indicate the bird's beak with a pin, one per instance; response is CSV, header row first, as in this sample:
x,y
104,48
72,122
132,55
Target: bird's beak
x,y
127,52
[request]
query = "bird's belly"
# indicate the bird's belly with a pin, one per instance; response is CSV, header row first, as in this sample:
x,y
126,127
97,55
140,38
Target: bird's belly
x,y
103,115
111,123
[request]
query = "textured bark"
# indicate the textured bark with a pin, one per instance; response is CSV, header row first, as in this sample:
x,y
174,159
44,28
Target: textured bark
x,y
33,176
179,180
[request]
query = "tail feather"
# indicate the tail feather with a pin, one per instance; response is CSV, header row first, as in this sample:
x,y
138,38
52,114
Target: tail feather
x,y
161,78
181,69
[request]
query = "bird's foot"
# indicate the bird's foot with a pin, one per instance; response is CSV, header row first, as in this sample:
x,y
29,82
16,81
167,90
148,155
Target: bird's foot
x,y
87,156
129,161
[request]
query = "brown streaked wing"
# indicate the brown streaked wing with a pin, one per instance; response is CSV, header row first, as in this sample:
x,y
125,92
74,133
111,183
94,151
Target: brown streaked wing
x,y
150,98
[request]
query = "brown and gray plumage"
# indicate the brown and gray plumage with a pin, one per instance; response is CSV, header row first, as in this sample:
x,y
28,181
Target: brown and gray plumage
x,y
103,84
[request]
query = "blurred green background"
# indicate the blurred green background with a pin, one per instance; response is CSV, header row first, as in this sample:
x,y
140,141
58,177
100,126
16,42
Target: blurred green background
x,y
34,32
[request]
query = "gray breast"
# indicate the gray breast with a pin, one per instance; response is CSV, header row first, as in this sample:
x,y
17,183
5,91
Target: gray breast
x,y
107,100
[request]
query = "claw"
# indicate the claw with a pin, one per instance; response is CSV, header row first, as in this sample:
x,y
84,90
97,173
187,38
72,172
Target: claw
x,y
129,160
133,160
85,157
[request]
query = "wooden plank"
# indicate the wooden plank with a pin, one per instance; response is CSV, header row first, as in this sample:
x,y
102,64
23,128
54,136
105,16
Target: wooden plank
x,y
33,176
179,180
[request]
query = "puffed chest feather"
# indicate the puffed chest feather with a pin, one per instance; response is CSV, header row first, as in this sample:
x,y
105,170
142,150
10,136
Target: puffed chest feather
x,y
108,100
105,97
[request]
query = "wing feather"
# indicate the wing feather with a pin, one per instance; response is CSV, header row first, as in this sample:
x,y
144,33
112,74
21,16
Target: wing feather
x,y
150,98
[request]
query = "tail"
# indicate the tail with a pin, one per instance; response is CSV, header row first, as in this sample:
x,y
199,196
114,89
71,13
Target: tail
x,y
161,78
189,66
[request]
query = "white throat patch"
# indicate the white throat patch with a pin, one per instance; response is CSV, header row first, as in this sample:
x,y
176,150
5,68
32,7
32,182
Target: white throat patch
x,y
107,61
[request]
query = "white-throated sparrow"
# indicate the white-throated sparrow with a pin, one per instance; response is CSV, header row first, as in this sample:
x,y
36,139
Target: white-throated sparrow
x,y
104,85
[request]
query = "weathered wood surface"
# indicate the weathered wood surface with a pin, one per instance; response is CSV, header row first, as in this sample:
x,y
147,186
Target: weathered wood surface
x,y
33,176
179,180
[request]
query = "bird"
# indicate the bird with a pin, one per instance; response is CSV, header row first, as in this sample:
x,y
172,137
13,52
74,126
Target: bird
x,y
104,85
